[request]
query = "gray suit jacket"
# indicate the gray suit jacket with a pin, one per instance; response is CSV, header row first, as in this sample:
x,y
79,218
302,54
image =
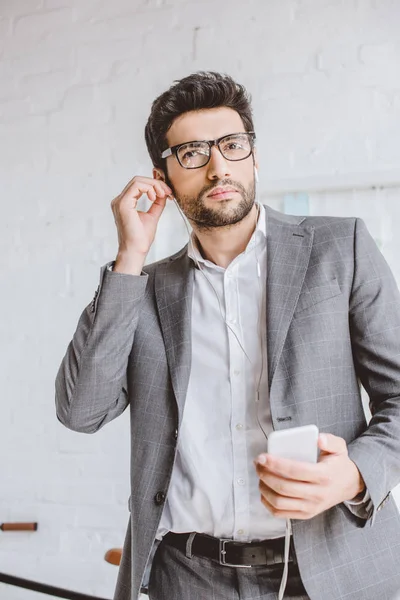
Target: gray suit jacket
x,y
333,321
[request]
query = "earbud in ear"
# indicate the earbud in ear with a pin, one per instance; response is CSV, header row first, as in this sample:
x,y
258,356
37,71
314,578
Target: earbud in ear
x,y
256,174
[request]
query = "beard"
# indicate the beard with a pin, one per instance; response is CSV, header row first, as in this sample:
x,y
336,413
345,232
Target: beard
x,y
223,213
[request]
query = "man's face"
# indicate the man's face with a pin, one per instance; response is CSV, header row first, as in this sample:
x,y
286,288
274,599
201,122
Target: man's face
x,y
193,188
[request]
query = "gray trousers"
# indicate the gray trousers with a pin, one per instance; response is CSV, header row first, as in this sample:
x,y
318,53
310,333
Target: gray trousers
x,y
176,576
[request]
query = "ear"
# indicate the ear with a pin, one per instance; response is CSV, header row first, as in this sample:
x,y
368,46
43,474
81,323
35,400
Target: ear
x,y
158,174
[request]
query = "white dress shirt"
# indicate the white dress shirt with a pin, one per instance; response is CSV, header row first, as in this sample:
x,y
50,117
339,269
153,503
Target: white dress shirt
x,y
214,487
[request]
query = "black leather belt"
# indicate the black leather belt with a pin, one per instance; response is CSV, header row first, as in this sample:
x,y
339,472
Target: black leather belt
x,y
230,553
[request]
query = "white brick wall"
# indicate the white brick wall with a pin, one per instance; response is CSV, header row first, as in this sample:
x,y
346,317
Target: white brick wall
x,y
76,81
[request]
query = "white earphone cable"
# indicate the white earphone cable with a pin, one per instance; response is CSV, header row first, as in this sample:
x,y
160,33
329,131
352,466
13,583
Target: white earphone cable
x,y
257,398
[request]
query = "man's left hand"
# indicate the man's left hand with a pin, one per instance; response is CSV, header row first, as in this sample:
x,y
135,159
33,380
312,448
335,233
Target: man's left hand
x,y
292,489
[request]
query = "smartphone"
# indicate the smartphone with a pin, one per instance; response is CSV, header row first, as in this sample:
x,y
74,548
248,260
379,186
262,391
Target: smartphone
x,y
296,443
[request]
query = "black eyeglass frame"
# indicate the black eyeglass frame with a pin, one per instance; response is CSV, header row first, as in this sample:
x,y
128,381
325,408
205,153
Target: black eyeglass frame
x,y
175,149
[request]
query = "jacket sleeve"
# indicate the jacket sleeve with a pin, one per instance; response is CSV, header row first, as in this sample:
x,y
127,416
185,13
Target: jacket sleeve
x,y
375,334
91,383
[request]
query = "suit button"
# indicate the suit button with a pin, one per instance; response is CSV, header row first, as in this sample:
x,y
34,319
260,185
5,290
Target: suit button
x,y
159,498
175,434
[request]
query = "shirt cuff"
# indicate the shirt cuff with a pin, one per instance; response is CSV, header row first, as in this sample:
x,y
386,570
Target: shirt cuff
x,y
361,507
357,500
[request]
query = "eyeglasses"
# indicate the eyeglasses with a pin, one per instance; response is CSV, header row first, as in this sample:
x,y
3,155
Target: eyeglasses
x,y
193,155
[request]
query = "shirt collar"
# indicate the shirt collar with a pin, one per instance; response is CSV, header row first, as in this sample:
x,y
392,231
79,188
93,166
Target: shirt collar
x,y
259,235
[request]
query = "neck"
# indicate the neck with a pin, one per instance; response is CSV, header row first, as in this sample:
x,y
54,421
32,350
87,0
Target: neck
x,y
223,244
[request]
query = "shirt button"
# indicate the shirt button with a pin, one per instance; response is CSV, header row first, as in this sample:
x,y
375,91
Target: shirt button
x,y
239,426
240,531
175,434
159,498
236,372
240,481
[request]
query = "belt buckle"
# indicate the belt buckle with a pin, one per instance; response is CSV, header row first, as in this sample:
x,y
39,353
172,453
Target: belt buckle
x,y
222,553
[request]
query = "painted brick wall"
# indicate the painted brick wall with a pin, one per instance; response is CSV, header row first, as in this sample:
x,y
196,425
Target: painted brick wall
x,y
77,78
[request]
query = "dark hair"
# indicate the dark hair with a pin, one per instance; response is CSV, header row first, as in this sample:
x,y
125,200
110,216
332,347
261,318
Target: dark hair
x,y
204,89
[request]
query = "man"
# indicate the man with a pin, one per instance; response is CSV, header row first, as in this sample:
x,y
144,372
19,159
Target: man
x,y
263,321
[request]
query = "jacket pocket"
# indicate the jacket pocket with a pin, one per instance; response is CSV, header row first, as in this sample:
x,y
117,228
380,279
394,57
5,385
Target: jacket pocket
x,y
315,295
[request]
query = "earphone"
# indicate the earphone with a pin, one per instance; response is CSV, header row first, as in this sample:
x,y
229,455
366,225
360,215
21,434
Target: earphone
x,y
256,174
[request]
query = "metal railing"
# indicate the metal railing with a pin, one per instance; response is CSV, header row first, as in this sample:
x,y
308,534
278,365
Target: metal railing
x,y
43,588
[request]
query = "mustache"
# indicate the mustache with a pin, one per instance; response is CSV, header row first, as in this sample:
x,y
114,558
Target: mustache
x,y
221,183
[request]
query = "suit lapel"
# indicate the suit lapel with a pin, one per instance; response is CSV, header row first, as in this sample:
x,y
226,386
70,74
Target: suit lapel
x,y
289,246
174,291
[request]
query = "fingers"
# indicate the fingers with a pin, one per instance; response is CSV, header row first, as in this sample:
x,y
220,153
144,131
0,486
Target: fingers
x,y
331,444
297,501
142,181
154,189
157,207
288,512
287,487
161,189
291,469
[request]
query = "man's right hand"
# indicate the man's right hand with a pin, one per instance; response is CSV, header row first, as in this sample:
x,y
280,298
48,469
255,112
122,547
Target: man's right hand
x,y
137,229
